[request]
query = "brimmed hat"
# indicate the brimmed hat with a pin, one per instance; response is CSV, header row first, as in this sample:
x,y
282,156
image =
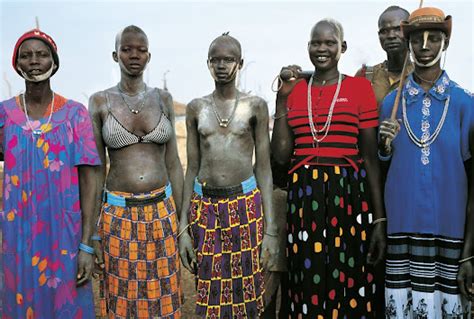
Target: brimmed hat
x,y
427,18
40,35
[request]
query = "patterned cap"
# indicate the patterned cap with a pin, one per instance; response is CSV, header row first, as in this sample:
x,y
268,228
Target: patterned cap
x,y
40,35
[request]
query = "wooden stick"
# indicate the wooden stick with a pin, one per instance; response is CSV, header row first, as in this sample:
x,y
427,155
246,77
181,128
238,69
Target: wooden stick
x,y
393,115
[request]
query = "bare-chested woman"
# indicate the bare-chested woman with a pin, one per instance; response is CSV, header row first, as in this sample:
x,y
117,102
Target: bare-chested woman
x,y
138,222
222,196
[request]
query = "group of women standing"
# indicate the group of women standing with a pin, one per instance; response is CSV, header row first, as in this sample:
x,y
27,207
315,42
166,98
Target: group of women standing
x,y
56,182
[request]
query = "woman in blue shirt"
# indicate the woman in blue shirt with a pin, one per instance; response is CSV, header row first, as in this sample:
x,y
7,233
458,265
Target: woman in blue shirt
x,y
430,213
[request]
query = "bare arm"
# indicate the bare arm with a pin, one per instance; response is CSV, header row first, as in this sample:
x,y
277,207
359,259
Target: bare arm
x,y
270,244
262,166
193,154
87,190
193,163
173,163
368,149
469,232
95,102
465,273
282,137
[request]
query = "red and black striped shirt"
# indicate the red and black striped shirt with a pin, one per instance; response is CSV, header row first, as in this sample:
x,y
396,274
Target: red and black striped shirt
x,y
355,109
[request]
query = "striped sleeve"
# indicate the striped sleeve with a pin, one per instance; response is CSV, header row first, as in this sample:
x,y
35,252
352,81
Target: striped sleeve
x,y
368,112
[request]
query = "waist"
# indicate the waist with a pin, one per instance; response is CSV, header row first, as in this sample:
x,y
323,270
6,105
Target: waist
x,y
312,157
126,199
244,187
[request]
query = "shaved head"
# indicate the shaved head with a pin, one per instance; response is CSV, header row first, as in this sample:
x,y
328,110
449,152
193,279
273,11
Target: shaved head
x,y
131,29
403,13
227,40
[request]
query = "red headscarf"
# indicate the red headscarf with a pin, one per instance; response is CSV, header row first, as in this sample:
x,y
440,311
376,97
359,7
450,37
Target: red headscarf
x,y
40,35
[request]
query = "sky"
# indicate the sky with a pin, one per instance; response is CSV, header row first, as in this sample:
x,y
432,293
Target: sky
x,y
272,33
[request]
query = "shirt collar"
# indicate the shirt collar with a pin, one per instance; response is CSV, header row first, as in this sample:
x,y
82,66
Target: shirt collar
x,y
440,90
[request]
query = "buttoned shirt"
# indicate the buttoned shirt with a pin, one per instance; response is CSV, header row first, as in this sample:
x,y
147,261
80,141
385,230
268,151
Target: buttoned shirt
x,y
426,187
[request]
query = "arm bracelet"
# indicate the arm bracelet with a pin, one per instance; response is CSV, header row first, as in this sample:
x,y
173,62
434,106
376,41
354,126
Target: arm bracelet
x,y
465,259
384,158
271,235
86,248
379,220
276,117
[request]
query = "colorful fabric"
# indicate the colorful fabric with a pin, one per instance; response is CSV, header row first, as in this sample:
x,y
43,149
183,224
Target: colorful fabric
x,y
228,233
41,223
142,270
355,109
59,102
328,232
423,184
421,277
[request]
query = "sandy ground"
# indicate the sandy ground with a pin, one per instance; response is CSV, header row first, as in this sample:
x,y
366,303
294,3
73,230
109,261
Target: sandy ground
x,y
188,289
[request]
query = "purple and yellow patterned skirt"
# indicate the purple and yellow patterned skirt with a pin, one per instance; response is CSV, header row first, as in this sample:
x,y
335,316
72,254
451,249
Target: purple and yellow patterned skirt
x,y
227,227
139,240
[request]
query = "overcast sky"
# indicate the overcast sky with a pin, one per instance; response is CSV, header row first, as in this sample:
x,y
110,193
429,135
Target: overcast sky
x,y
272,34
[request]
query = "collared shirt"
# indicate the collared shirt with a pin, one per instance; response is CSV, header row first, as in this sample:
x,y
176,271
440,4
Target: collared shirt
x,y
426,188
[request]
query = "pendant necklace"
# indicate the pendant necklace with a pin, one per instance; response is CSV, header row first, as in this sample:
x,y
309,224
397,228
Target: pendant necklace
x,y
41,130
130,107
224,122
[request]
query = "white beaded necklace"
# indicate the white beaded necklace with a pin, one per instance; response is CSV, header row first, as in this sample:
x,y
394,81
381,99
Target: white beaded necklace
x,y
39,131
327,125
422,143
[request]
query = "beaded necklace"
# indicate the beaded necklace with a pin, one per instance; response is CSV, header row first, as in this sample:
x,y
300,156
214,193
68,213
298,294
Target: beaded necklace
x,y
327,125
427,140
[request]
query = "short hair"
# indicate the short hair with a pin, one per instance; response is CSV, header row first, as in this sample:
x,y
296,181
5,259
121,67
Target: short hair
x,y
336,25
131,29
394,8
227,39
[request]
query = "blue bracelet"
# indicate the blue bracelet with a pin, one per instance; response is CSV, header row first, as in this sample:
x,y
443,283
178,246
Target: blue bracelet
x,y
384,158
95,237
86,248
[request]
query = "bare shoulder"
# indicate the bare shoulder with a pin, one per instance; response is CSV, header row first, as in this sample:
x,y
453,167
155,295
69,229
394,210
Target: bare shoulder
x,y
256,103
165,95
97,102
197,104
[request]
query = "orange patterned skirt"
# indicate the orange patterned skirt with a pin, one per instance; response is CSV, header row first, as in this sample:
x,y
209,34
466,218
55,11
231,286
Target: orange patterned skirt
x,y
139,240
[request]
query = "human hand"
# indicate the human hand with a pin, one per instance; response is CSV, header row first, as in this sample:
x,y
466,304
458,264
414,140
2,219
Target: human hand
x,y
388,131
85,263
377,245
270,251
99,265
288,78
464,279
186,252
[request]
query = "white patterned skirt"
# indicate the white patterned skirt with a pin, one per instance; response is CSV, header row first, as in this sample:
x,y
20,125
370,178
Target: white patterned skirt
x,y
420,280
